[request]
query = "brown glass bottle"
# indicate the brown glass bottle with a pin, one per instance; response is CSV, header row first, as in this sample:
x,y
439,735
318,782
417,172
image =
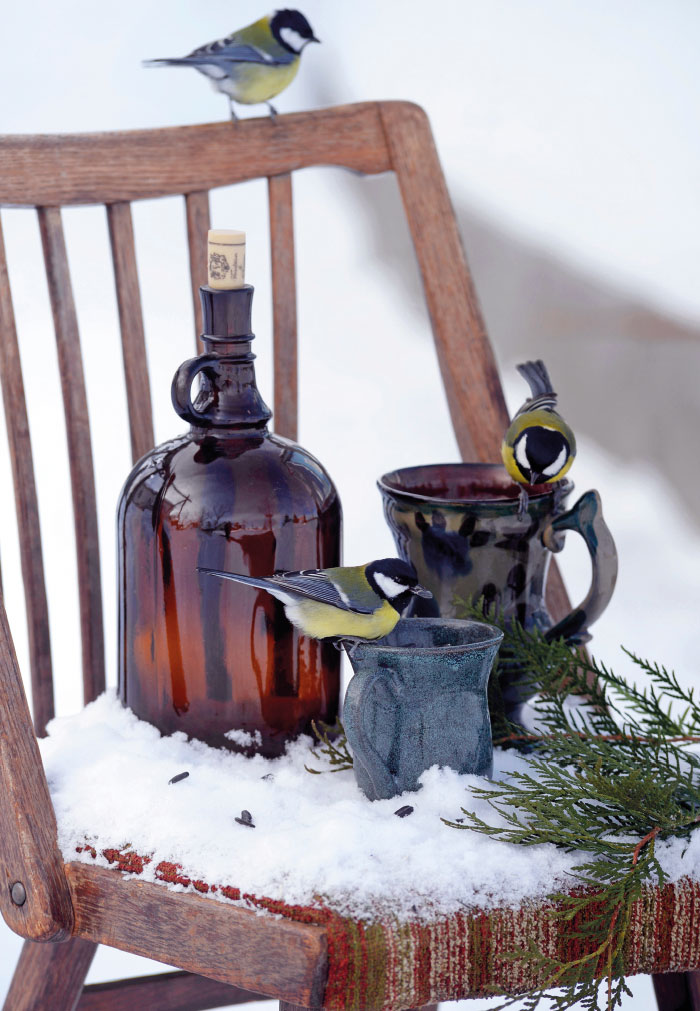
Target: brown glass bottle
x,y
206,655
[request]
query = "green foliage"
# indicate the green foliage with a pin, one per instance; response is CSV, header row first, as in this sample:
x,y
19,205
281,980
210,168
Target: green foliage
x,y
608,777
334,745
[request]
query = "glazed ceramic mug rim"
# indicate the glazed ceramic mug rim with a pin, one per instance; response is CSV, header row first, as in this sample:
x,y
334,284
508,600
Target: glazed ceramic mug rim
x,y
384,485
441,650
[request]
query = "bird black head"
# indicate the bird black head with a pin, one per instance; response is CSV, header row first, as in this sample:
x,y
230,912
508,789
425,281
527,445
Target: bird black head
x,y
292,30
396,581
540,453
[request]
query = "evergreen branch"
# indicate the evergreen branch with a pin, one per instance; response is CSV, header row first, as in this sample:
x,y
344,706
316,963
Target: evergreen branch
x,y
609,778
334,745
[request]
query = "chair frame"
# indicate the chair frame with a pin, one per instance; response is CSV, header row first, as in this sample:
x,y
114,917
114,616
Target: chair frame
x,y
236,955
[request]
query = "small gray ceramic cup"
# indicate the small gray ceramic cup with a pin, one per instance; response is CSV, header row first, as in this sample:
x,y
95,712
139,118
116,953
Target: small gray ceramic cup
x,y
418,698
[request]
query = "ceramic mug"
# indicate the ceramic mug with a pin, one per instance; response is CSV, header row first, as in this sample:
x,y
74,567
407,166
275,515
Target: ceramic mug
x,y
419,698
459,525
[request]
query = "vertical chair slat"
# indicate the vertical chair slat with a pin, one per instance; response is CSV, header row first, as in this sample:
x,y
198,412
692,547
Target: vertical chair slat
x,y
138,392
284,305
26,506
467,363
39,906
198,224
79,449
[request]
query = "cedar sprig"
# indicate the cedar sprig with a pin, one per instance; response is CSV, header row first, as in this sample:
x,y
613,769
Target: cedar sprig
x,y
334,745
605,779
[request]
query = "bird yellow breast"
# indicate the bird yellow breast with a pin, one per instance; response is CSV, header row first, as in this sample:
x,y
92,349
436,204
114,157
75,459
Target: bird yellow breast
x,y
251,83
322,621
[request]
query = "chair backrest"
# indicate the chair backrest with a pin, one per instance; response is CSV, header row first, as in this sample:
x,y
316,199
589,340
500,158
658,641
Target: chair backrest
x,y
50,172
114,169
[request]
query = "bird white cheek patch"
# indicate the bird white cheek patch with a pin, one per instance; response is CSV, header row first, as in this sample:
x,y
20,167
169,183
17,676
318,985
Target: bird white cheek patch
x,y
555,467
521,453
389,586
292,38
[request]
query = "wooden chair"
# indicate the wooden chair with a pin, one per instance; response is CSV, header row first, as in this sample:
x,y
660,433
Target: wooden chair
x,y
229,955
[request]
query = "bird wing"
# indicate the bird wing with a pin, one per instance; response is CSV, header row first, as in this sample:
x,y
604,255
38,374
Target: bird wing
x,y
231,50
319,585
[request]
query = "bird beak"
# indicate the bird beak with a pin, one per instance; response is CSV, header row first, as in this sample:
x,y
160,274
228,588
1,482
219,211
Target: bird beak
x,y
314,39
420,591
538,479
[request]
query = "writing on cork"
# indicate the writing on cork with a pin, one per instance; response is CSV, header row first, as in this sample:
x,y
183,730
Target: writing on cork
x,y
226,258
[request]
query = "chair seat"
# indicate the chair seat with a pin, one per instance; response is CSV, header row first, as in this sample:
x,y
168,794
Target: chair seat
x,y
389,965
406,910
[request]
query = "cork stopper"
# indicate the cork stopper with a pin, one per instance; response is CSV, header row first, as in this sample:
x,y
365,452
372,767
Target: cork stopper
x,y
226,258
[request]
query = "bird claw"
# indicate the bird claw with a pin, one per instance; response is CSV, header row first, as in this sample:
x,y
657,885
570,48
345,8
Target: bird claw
x,y
348,644
273,111
523,503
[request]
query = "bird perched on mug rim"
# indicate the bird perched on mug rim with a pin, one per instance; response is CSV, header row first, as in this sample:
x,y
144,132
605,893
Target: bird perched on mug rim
x,y
348,603
538,447
253,64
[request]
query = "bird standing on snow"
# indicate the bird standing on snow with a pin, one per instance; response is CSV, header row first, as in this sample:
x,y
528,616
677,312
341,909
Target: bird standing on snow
x,y
539,447
351,603
255,63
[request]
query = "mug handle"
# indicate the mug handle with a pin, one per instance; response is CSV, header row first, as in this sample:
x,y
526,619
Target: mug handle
x,y
377,772
181,389
586,518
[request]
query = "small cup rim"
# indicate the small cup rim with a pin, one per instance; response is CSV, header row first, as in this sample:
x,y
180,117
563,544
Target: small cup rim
x,y
495,638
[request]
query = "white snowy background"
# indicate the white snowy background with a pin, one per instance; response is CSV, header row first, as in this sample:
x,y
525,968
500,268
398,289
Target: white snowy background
x,y
567,134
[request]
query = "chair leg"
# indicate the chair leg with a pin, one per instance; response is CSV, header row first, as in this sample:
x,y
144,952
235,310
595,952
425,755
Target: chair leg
x,y
49,976
677,991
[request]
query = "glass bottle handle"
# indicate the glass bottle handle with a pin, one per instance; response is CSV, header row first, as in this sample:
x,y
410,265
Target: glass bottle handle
x,y
586,518
181,389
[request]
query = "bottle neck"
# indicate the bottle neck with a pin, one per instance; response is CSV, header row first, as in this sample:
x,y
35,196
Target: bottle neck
x,y
228,398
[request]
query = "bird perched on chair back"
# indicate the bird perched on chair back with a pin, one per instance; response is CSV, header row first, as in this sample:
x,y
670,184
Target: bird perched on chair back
x,y
255,63
539,447
350,603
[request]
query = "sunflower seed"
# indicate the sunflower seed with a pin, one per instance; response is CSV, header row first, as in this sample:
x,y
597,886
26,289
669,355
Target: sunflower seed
x,y
180,776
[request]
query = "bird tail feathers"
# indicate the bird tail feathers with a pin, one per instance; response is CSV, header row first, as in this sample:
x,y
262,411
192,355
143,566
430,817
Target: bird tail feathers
x,y
263,584
175,61
251,580
537,377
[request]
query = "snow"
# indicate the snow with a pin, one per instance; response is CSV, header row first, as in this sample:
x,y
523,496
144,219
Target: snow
x,y
244,738
315,836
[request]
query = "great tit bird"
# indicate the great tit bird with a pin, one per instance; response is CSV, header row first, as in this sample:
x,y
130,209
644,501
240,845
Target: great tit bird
x,y
539,447
255,63
349,603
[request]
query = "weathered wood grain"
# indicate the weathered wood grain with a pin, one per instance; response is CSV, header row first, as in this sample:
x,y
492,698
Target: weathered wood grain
x,y
28,849
278,958
467,363
52,170
138,390
50,977
198,224
284,305
26,506
164,991
79,449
